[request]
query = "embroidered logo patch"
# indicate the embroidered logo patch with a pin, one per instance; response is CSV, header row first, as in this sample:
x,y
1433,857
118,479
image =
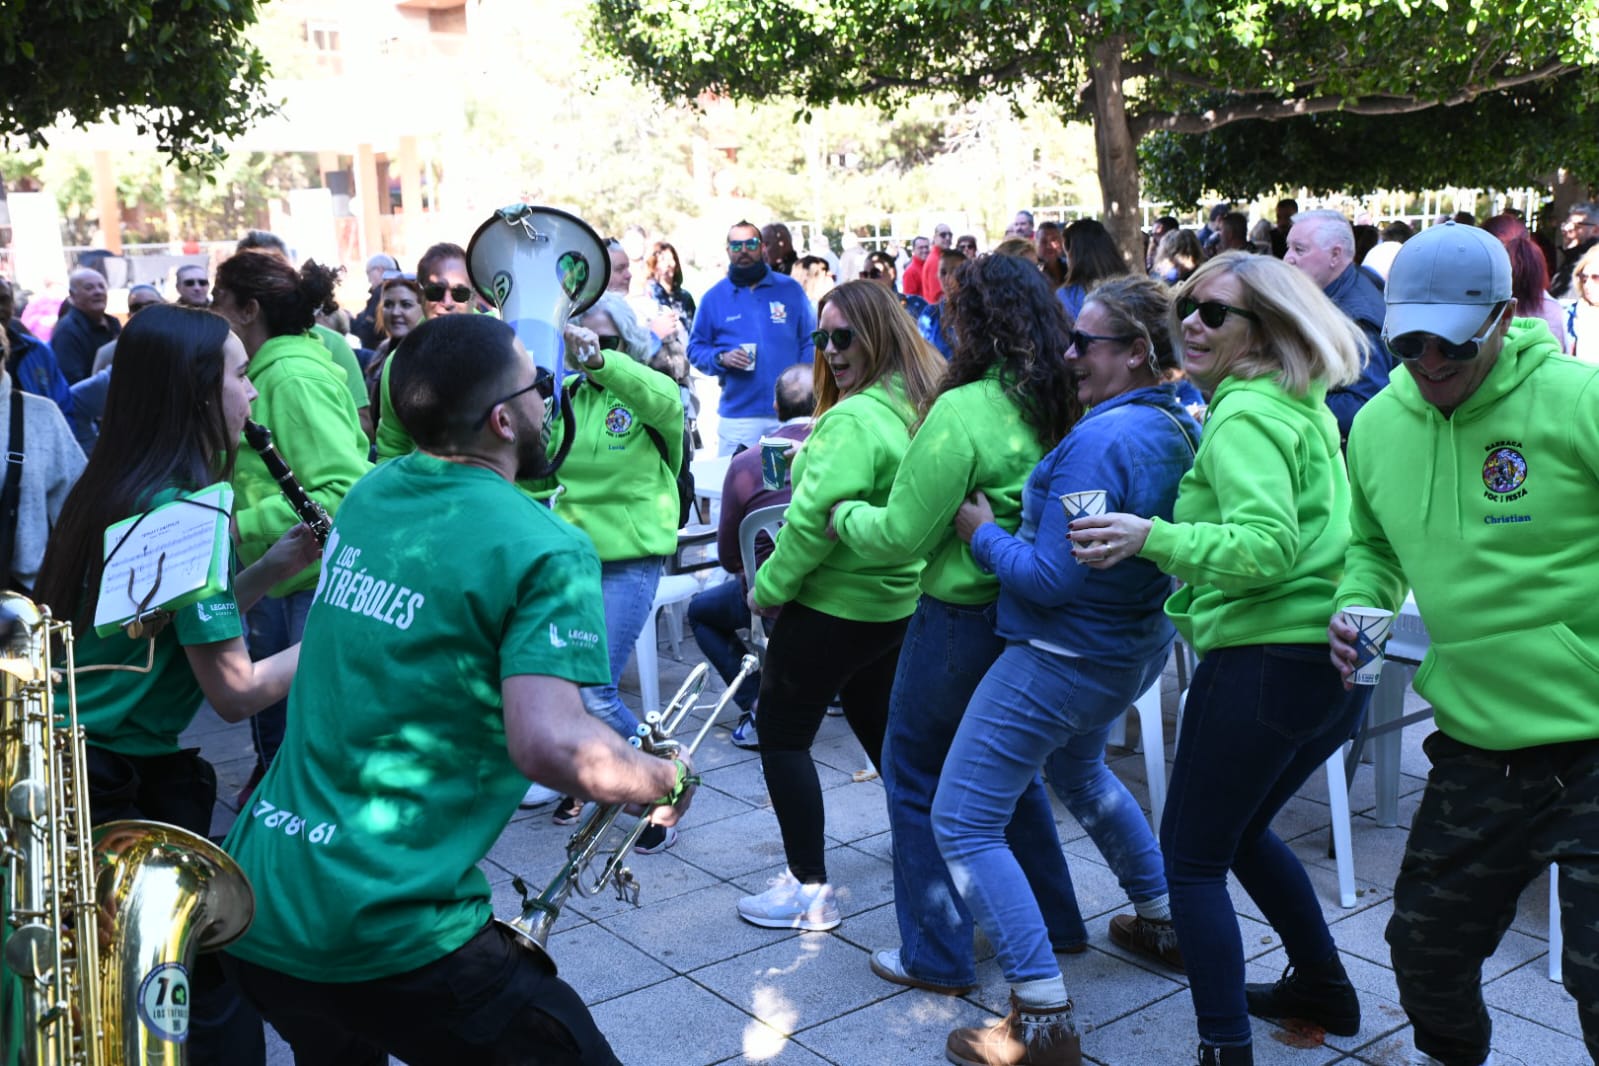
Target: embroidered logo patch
x,y
1504,471
618,420
779,311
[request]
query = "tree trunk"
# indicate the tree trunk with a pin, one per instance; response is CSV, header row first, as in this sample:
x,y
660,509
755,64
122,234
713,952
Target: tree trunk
x,y
1116,152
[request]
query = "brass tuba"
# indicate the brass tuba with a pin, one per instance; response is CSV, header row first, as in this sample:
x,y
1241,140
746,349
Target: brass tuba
x,y
656,735
100,930
539,267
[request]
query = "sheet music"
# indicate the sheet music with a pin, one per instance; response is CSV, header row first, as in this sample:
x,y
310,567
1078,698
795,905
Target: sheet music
x,y
181,539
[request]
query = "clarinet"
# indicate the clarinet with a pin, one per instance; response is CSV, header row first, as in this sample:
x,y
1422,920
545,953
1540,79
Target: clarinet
x,y
311,513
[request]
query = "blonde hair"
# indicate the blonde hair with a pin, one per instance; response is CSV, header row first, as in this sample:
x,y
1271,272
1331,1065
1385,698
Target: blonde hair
x,y
886,336
1302,337
1589,265
1020,247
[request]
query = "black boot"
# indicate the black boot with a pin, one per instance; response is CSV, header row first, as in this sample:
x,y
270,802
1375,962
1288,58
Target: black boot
x,y
1319,993
1211,1055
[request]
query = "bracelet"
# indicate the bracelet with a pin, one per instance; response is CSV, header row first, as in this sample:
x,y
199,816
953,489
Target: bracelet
x,y
684,782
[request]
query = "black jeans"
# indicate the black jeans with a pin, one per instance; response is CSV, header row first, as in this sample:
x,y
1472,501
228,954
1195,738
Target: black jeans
x,y
813,656
180,789
490,1002
1490,822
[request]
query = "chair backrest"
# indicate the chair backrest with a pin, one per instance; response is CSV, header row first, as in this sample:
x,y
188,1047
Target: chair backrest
x,y
767,520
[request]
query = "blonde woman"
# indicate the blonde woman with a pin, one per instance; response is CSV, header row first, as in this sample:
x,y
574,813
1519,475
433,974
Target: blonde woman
x,y
1258,537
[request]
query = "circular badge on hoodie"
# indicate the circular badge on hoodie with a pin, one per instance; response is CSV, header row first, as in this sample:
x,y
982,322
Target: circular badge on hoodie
x,y
618,420
1504,470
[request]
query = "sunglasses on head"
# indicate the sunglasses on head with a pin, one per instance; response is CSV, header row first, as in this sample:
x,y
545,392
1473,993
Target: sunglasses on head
x,y
1212,312
1081,340
434,291
841,338
751,245
1414,345
398,275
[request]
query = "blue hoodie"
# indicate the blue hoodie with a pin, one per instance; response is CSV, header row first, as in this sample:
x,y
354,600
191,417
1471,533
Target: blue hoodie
x,y
1136,447
775,315
1362,301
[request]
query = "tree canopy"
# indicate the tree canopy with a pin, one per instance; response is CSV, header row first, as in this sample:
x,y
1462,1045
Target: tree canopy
x,y
182,70
1130,67
1520,136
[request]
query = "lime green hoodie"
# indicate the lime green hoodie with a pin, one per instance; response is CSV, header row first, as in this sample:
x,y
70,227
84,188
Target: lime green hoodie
x,y
974,437
619,488
853,451
1261,522
1491,515
305,401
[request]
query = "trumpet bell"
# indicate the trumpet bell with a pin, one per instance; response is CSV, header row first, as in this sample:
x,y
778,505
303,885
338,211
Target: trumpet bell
x,y
538,266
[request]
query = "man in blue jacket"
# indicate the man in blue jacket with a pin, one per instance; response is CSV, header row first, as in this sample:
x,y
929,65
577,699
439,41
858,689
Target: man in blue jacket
x,y
750,326
1322,244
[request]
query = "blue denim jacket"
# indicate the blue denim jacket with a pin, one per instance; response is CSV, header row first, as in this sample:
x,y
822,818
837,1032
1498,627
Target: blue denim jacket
x,y
1130,448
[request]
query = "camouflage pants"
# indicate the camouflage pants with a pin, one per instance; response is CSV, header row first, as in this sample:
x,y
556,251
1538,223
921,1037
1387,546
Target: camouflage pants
x,y
1489,823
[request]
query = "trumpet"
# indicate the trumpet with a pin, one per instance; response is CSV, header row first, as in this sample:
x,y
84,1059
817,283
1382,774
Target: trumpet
x,y
656,736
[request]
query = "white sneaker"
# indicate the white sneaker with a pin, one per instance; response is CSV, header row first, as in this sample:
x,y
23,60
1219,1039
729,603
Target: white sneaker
x,y
787,904
538,796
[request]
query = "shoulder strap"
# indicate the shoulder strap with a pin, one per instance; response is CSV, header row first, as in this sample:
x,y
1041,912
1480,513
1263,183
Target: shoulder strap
x,y
1192,448
11,495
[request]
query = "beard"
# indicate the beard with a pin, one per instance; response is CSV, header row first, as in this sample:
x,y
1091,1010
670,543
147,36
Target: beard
x,y
533,452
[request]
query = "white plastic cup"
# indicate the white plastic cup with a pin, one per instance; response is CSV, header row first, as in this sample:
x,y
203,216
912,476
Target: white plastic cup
x,y
749,350
1083,504
774,461
1373,624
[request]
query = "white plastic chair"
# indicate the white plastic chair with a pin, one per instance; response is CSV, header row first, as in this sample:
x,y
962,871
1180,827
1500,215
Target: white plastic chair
x,y
766,520
672,591
1153,740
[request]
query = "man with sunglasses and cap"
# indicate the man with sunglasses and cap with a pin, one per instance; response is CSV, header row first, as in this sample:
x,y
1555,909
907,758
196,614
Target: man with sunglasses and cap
x,y
750,326
1474,481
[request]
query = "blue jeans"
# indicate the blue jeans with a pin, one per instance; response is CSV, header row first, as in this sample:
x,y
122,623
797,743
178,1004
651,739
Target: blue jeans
x,y
1260,720
275,624
715,615
627,588
1035,708
947,650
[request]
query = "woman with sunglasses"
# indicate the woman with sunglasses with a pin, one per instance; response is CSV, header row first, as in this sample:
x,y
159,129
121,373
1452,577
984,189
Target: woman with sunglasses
x,y
843,615
1258,537
881,270
304,399
1080,646
619,485
1006,400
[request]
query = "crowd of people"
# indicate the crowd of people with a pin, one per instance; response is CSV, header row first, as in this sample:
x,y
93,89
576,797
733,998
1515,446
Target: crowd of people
x,y
1014,479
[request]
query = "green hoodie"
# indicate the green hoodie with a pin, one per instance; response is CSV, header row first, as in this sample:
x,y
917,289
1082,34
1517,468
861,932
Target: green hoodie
x,y
305,401
1261,522
1491,515
853,451
619,488
392,439
974,437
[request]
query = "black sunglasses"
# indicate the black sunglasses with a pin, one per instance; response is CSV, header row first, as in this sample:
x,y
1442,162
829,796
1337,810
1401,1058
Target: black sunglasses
x,y
543,384
201,282
1081,340
841,338
609,342
434,291
1212,312
1414,345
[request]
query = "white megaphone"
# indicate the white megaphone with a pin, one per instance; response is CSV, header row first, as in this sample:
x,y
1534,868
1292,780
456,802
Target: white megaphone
x,y
538,267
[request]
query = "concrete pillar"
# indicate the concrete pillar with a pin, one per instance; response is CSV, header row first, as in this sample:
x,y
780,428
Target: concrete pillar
x,y
410,178
107,202
371,194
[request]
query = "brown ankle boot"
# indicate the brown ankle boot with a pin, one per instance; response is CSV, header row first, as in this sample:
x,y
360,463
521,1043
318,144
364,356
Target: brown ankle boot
x,y
1027,1036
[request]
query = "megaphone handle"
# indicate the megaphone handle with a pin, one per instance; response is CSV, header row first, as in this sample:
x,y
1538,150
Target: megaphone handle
x,y
568,432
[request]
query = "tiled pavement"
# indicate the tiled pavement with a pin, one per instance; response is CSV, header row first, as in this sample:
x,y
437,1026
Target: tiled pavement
x,y
680,980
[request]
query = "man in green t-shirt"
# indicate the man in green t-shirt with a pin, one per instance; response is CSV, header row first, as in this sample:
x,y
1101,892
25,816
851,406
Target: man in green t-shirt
x,y
452,624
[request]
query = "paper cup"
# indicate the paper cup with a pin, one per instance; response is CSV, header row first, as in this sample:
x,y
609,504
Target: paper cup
x,y
1083,504
1373,623
749,350
774,461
